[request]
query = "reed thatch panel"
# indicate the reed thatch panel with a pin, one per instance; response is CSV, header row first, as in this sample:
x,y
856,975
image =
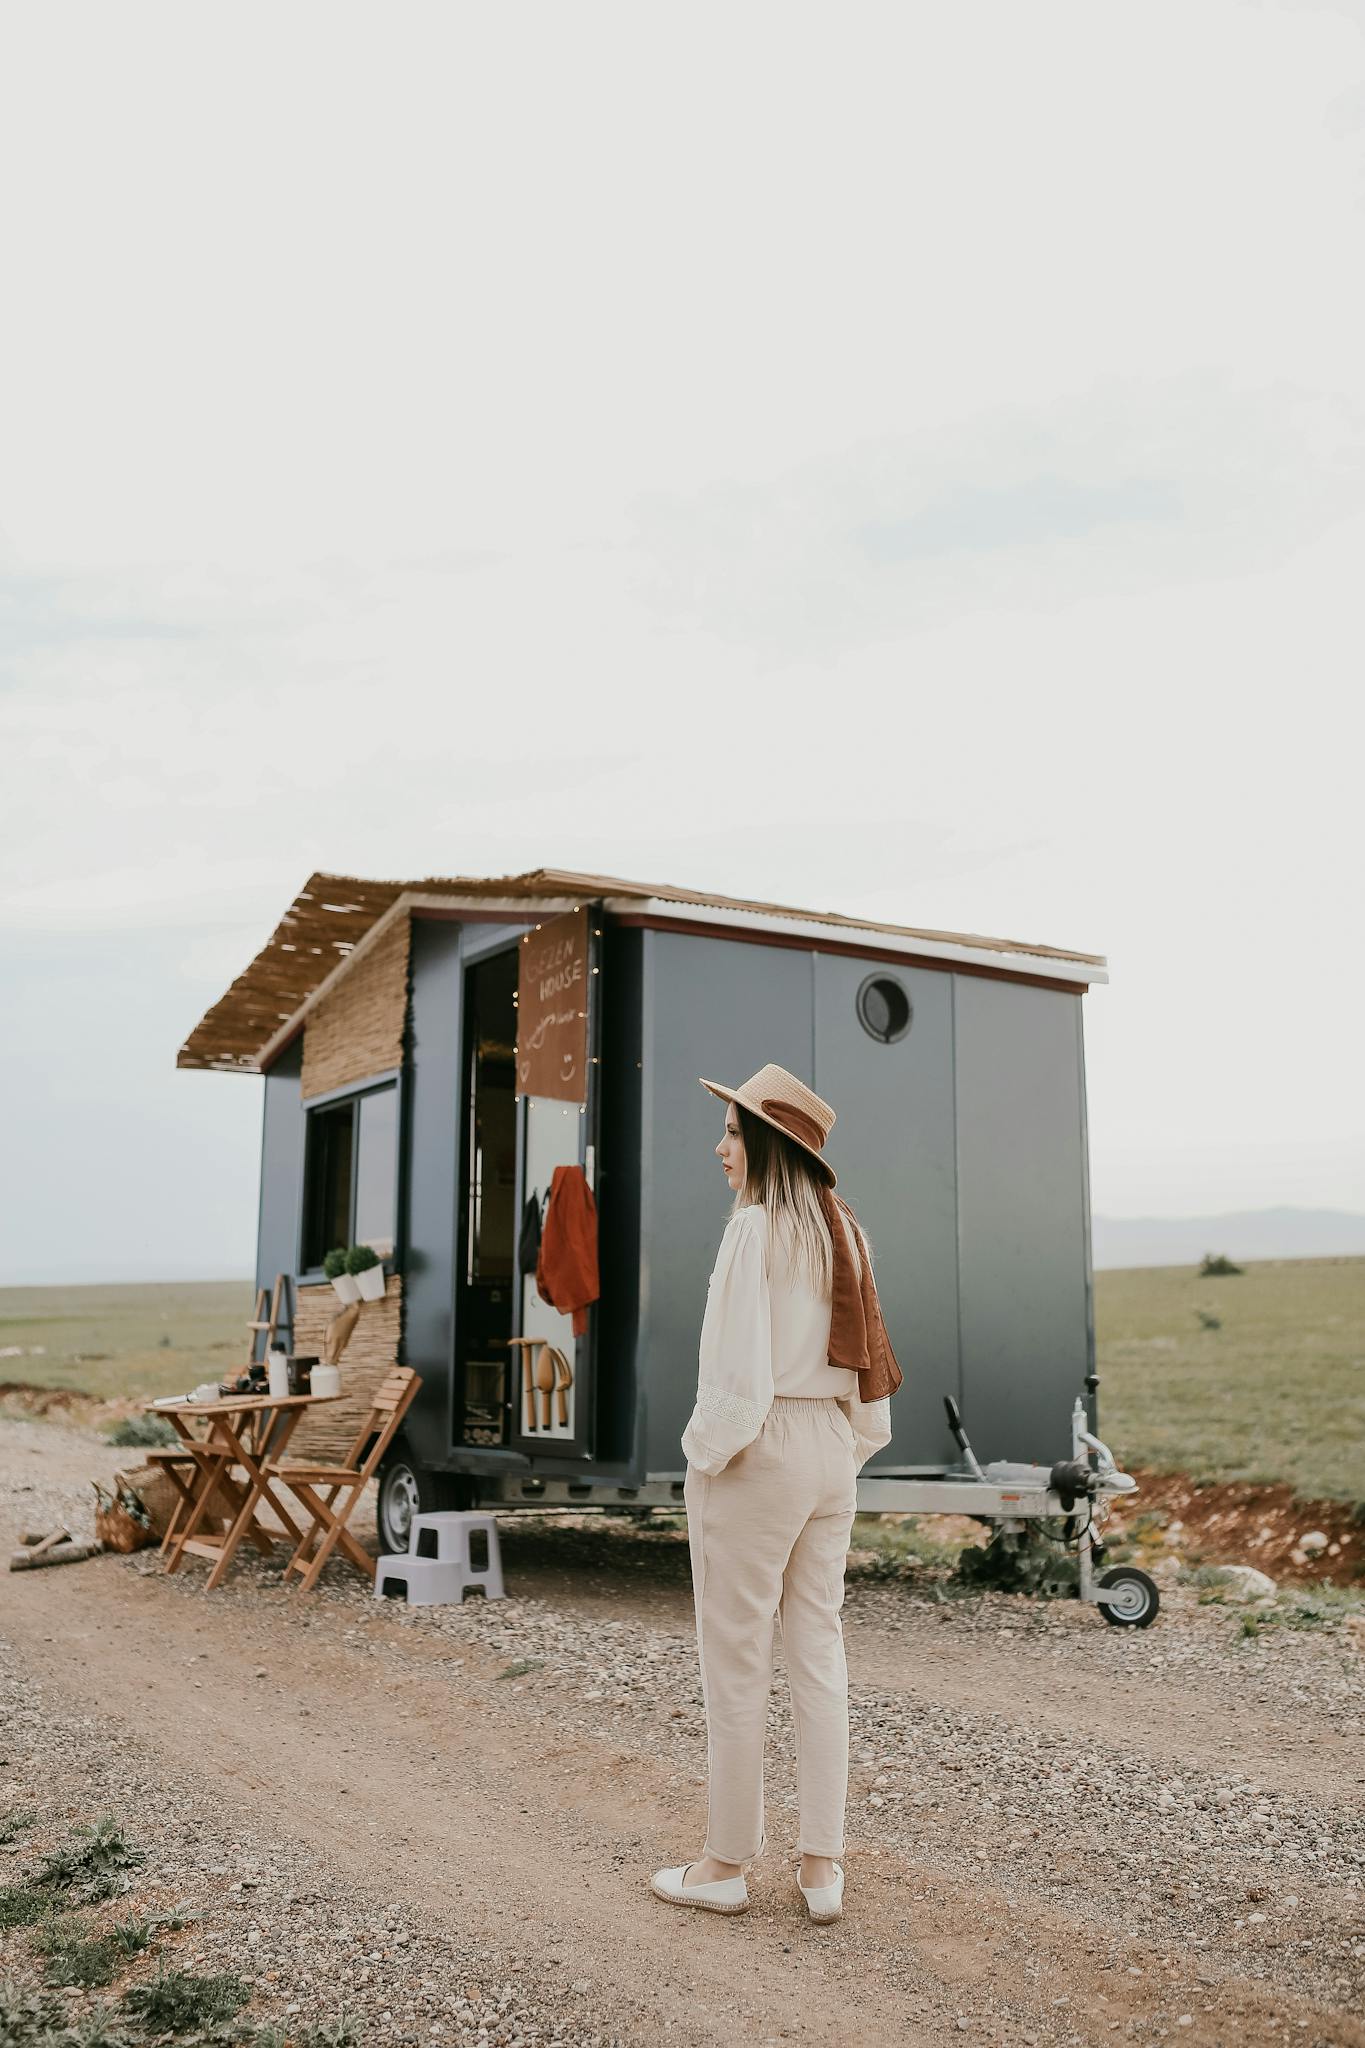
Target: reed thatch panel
x,y
357,1028
326,1434
321,927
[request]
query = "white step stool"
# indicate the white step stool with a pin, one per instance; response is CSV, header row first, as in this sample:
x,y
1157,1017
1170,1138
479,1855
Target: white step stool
x,y
447,1553
420,1581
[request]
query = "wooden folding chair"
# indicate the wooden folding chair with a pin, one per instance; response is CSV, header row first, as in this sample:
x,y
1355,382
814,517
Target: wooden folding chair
x,y
348,1480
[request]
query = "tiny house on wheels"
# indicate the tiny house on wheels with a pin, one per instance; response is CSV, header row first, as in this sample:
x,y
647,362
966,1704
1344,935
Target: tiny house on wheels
x,y
439,1054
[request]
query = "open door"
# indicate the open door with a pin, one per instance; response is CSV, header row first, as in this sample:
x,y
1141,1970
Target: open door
x,y
558,1029
508,1395
485,1267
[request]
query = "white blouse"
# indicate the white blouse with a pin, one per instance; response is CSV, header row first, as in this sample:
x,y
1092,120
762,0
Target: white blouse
x,y
766,1332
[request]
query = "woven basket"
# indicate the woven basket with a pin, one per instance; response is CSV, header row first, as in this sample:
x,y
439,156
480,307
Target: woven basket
x,y
121,1520
158,1494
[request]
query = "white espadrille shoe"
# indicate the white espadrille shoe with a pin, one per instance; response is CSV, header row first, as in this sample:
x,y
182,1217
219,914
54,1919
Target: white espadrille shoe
x,y
726,1895
823,1901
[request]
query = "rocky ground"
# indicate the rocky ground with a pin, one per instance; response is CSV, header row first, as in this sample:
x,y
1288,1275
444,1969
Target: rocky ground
x,y
1296,1542
438,1825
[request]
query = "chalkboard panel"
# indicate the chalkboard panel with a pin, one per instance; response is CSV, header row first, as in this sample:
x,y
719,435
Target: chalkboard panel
x,y
552,1009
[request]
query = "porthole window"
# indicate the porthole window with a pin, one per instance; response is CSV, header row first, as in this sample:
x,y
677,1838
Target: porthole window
x,y
884,1009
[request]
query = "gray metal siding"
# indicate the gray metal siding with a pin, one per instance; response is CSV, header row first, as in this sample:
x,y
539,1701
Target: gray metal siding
x,y
282,1133
431,1178
720,1008
893,1148
1021,1175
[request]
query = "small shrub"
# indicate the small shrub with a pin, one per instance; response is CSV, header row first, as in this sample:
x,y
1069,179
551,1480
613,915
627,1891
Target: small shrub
x,y
97,2030
90,1867
12,1825
899,1551
177,2002
521,1667
23,1905
1019,1562
341,2035
27,2019
334,1265
360,1258
131,1936
77,1958
1215,1265
1320,1607
142,1432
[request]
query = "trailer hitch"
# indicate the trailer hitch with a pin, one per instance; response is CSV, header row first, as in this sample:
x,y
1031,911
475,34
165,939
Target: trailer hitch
x,y
1071,1479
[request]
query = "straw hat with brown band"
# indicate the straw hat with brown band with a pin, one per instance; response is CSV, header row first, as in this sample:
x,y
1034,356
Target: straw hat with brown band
x,y
779,1099
858,1336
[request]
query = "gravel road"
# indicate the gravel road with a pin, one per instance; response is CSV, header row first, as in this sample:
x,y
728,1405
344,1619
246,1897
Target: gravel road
x,y
443,1821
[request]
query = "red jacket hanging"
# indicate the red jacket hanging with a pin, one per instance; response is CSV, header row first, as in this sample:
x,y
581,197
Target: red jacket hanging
x,y
566,1270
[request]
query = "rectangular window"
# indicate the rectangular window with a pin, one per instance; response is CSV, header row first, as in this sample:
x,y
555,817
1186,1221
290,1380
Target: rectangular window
x,y
351,1174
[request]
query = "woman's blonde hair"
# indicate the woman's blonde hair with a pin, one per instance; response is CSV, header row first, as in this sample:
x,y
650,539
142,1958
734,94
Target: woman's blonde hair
x,y
785,1179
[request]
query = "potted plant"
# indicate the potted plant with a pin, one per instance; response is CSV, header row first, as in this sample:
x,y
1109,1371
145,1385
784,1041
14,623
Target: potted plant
x,y
334,1266
364,1262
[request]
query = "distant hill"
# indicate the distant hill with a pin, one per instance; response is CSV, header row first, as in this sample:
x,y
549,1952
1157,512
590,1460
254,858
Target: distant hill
x,y
1244,1234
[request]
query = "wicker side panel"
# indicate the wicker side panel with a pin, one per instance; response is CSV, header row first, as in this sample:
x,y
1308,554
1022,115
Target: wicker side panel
x,y
326,1434
357,1030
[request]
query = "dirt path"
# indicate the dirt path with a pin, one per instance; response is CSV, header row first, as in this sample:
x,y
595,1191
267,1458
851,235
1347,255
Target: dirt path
x,y
529,1810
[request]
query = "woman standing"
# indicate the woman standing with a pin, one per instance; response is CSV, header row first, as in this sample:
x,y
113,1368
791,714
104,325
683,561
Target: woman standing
x,y
793,1396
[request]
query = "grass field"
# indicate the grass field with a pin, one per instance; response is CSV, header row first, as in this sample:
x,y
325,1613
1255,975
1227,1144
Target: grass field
x,y
1276,1393
113,1341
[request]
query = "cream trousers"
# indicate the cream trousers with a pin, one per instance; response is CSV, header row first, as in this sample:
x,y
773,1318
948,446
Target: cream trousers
x,y
769,1536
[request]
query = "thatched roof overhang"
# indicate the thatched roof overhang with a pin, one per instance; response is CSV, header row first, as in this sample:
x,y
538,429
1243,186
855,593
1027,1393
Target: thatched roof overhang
x,y
336,917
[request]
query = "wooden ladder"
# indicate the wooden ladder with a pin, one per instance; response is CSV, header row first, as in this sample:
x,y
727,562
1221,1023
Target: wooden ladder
x,y
282,1296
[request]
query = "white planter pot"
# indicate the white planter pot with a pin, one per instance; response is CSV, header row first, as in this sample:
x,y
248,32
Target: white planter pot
x,y
346,1287
371,1283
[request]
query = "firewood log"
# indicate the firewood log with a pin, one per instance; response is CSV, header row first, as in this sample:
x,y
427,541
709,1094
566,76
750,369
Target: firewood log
x,y
61,1553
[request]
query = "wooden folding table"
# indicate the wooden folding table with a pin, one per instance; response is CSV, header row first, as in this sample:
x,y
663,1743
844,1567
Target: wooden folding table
x,y
245,1430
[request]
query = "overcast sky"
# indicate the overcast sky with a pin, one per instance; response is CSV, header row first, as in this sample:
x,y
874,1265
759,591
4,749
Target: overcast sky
x,y
906,460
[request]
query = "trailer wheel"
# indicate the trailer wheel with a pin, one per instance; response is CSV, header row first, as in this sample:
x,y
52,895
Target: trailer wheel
x,y
407,1489
1138,1601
